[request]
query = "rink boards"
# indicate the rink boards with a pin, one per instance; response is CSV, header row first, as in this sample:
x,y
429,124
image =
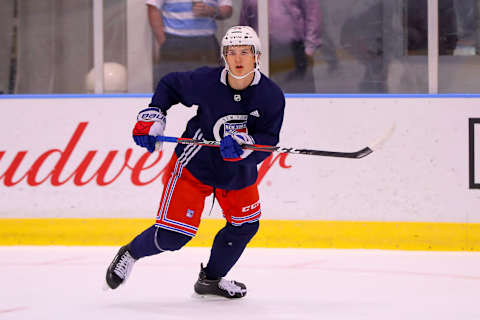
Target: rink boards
x,y
70,174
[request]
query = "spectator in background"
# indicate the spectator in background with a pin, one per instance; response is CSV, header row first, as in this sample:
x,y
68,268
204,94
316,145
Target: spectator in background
x,y
418,27
294,27
185,32
362,37
465,12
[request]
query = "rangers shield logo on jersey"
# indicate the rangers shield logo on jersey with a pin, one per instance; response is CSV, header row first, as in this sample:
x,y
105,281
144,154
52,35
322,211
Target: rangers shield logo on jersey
x,y
229,128
229,124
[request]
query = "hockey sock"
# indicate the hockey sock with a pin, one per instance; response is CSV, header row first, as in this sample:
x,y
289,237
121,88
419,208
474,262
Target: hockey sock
x,y
227,248
155,240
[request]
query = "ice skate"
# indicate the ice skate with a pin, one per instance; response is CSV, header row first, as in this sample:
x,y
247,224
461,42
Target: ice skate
x,y
220,287
120,268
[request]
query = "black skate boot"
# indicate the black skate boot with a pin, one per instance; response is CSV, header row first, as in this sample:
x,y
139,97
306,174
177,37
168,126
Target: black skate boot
x,y
120,268
220,287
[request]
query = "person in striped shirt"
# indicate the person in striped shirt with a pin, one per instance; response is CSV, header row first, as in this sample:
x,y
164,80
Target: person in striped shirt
x,y
179,25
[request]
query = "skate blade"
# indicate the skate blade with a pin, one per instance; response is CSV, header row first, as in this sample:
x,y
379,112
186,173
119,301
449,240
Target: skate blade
x,y
209,297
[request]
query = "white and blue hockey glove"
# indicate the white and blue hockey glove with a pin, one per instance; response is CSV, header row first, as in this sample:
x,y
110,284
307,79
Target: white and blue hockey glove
x,y
230,146
150,123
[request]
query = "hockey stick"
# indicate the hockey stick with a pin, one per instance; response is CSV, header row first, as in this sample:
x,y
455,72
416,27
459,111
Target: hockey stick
x,y
256,147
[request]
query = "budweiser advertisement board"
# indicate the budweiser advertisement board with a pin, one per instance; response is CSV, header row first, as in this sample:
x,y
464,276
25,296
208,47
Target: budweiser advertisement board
x,y
76,158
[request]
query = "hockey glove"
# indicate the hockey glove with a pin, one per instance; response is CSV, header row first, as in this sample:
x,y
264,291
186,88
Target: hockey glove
x,y
230,146
150,123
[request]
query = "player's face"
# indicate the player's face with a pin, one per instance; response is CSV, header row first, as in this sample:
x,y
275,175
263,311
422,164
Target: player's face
x,y
240,59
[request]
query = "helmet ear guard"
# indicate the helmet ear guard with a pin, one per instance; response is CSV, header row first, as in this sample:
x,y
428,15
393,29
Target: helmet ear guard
x,y
241,36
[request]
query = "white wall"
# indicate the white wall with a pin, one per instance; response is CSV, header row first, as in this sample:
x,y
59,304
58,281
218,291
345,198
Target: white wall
x,y
421,173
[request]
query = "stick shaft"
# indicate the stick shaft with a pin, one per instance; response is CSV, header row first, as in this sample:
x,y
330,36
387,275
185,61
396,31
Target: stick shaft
x,y
352,155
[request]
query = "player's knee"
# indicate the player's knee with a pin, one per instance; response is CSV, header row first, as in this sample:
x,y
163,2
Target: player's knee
x,y
243,233
169,240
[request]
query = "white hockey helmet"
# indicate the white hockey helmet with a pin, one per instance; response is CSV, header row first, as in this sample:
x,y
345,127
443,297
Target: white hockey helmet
x,y
241,36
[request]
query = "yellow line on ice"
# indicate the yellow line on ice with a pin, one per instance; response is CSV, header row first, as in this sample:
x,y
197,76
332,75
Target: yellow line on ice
x,y
272,233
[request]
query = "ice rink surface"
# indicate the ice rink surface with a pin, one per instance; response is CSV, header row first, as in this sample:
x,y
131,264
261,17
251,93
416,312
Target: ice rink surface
x,y
66,283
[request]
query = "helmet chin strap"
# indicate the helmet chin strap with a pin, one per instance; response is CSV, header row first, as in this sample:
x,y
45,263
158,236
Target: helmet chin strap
x,y
240,77
246,74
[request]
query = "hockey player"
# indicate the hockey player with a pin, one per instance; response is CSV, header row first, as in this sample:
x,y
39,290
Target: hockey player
x,y
236,104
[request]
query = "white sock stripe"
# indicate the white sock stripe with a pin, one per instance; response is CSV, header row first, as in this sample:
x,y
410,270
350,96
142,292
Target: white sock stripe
x,y
156,242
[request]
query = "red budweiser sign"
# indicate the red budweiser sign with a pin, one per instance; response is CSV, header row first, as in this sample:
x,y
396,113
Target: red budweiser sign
x,y
12,175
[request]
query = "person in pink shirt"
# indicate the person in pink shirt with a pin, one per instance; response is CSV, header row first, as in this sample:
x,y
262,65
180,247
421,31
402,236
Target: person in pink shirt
x,y
295,34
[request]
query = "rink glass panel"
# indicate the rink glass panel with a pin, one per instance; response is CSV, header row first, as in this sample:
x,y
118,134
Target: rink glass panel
x,y
48,45
367,46
379,46
458,72
365,49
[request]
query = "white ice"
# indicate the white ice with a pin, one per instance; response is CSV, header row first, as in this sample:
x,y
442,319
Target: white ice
x,y
66,283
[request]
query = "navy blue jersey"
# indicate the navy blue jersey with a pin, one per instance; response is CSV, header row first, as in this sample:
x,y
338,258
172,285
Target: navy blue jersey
x,y
257,110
